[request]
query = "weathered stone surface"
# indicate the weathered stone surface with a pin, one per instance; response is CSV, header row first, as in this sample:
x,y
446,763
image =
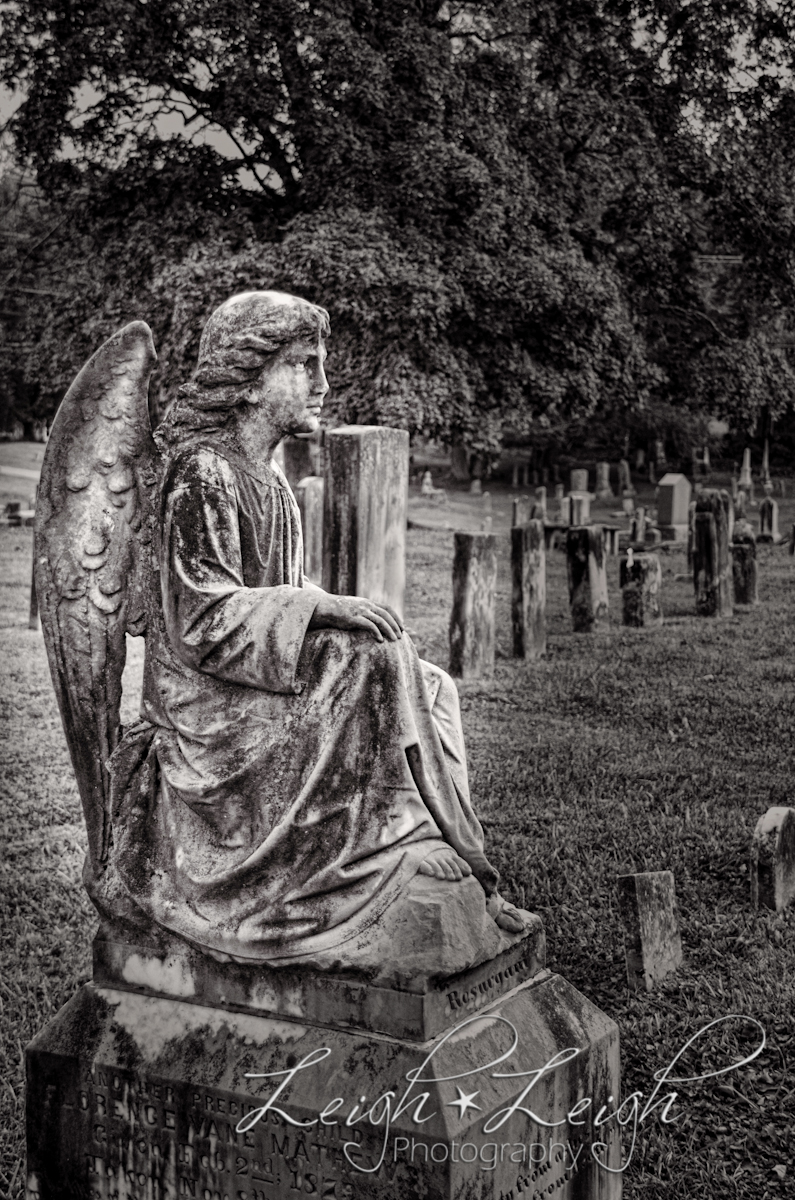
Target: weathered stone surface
x,y
529,590
309,494
155,1099
773,860
641,583
578,480
364,513
744,573
472,618
539,512
587,575
711,563
650,916
440,952
624,477
746,479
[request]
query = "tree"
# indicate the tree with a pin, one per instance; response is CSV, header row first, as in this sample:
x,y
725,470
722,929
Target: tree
x,y
499,201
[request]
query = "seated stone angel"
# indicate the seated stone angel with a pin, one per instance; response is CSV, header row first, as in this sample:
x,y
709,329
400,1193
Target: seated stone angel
x,y
297,768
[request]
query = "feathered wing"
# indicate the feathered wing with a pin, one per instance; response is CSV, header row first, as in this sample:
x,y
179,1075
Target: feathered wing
x,y
93,528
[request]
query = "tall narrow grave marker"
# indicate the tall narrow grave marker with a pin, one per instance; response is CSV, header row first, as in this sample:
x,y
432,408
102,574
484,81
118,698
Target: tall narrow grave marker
x,y
364,513
472,618
711,565
528,598
587,578
309,494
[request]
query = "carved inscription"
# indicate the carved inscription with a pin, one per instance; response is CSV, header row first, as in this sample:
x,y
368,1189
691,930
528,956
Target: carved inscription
x,y
147,1140
501,981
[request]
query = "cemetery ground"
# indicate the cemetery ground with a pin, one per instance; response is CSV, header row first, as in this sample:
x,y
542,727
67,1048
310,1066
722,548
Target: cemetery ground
x,y
622,751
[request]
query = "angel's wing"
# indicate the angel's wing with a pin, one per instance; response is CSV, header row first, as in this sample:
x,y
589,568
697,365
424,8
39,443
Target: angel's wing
x,y
91,554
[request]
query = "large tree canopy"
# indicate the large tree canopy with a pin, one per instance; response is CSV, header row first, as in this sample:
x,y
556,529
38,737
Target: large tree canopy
x,y
499,202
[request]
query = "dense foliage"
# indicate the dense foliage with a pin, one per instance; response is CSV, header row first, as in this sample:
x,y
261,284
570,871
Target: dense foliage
x,y
505,205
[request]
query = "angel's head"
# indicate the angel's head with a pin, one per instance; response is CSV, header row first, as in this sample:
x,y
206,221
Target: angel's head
x,y
257,349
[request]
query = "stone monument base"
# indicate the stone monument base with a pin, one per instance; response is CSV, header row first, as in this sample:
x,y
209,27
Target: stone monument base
x,y
150,1098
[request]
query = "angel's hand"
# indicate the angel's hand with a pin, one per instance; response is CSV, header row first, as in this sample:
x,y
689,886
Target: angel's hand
x,y
354,613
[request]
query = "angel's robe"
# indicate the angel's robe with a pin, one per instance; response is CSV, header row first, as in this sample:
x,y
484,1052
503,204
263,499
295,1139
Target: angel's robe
x,y
298,778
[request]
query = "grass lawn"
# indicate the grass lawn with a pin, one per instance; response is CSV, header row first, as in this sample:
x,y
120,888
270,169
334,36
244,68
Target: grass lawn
x,y
622,751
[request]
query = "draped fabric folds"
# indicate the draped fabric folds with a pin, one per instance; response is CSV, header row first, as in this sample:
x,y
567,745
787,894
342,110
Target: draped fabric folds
x,y
289,782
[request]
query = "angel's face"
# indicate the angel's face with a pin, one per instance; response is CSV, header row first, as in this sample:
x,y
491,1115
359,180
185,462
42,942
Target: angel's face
x,y
290,392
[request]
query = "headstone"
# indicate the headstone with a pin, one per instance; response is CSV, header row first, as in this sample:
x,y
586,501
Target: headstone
x,y
488,513
603,488
628,504
587,574
739,505
515,475
744,572
560,491
297,459
612,536
475,487
650,916
364,513
540,507
578,480
472,618
652,473
773,860
735,491
673,499
659,453
529,590
624,477
580,508
427,488
706,465
564,515
746,479
768,521
641,582
640,460
638,532
309,494
520,510
711,564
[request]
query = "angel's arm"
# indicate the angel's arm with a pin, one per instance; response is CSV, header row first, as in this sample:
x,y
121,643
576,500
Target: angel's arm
x,y
216,624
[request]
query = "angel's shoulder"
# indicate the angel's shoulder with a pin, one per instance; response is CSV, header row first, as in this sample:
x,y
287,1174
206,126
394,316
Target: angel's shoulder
x,y
199,467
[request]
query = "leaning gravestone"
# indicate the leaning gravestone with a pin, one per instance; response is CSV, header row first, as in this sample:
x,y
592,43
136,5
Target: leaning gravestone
x,y
305,980
364,513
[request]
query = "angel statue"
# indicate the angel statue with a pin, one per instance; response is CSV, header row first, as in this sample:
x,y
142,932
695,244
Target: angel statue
x,y
297,771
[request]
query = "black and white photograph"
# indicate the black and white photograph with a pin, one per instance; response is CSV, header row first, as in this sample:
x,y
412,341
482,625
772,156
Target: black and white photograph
x,y
397,599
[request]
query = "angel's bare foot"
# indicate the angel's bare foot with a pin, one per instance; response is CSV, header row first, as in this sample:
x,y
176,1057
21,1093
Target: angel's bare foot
x,y
506,915
445,864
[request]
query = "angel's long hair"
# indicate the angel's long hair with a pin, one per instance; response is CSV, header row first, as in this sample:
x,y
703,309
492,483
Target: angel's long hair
x,y
237,344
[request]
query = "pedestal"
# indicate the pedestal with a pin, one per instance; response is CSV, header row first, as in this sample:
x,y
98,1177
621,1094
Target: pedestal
x,y
151,1099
